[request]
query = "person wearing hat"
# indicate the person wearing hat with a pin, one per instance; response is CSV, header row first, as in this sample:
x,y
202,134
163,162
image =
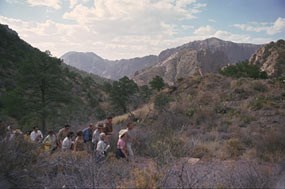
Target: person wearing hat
x,y
102,147
121,144
96,134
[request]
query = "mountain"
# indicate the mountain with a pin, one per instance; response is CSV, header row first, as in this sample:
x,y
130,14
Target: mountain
x,y
209,55
92,63
271,58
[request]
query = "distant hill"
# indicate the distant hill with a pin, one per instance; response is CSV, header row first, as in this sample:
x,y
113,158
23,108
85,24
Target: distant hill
x,y
209,55
37,89
271,58
92,63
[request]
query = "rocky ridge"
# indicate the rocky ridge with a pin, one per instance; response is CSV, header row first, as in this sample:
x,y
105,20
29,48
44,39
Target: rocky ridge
x,y
270,58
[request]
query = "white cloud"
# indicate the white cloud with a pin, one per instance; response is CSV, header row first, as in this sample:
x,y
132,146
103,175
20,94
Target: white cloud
x,y
204,31
55,4
276,27
207,31
212,20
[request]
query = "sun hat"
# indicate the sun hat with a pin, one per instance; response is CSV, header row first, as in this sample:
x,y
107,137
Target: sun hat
x,y
100,125
122,132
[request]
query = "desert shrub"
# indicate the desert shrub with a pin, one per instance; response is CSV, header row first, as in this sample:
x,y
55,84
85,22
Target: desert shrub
x,y
16,155
271,145
75,170
146,177
242,93
258,102
200,151
259,86
161,101
223,127
248,175
234,148
216,174
246,119
190,111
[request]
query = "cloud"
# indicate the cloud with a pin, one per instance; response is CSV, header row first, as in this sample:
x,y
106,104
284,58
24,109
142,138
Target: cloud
x,y
212,20
207,31
204,31
276,27
55,4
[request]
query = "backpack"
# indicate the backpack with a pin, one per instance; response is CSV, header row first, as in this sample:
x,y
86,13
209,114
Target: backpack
x,y
87,135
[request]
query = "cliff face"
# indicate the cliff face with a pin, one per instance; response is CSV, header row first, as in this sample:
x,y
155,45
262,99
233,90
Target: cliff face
x,y
271,58
209,55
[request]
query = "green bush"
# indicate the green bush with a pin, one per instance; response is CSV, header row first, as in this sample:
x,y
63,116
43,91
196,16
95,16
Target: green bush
x,y
243,69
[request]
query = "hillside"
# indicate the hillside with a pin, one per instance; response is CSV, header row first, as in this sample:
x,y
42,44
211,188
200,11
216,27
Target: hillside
x,y
92,63
206,131
209,55
38,89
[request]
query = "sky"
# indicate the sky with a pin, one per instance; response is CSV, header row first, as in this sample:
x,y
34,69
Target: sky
x,y
123,29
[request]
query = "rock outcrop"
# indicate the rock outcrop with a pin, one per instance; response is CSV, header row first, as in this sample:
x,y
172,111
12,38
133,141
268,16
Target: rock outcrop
x,y
271,58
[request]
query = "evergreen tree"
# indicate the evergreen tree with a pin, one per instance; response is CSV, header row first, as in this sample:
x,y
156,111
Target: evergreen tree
x,y
41,88
157,83
121,91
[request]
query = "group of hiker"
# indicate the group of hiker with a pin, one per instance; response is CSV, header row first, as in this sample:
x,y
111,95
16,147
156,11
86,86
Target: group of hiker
x,y
93,139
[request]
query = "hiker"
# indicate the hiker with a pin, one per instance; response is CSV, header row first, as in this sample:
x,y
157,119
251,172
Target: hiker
x,y
79,142
13,133
87,137
108,126
130,139
50,142
36,135
121,145
27,136
67,142
102,147
96,134
62,133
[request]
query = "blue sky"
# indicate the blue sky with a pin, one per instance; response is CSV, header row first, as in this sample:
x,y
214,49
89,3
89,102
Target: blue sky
x,y
116,29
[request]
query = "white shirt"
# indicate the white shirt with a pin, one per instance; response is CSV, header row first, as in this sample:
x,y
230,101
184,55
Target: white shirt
x,y
95,136
101,147
50,139
66,143
36,136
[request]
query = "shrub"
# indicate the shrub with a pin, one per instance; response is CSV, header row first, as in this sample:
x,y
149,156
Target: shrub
x,y
200,151
161,101
234,148
243,69
271,145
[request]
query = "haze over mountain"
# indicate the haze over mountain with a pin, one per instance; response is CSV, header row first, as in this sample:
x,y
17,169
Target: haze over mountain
x,y
92,63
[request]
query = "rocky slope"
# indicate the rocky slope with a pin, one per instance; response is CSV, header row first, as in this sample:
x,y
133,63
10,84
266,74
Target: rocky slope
x,y
92,63
209,55
271,59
